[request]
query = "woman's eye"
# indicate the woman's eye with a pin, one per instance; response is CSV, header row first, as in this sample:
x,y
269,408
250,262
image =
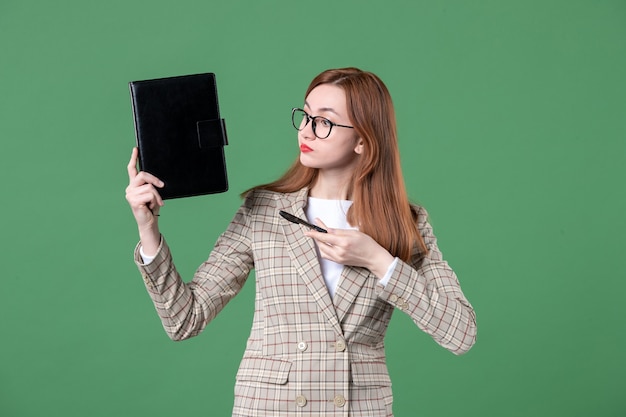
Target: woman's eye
x,y
325,122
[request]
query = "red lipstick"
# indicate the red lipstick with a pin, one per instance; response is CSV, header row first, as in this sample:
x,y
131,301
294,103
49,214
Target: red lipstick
x,y
305,148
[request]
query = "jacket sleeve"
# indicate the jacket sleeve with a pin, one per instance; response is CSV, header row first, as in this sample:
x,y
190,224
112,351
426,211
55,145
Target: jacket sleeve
x,y
428,290
186,308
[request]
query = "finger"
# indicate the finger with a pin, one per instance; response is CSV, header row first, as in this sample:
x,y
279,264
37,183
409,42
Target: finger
x,y
150,195
157,202
322,238
144,196
327,251
132,164
144,177
314,234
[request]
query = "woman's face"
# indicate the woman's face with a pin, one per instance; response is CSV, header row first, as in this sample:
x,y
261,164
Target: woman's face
x,y
340,150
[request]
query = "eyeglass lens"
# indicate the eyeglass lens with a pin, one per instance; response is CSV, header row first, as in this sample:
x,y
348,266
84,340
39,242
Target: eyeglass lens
x,y
321,126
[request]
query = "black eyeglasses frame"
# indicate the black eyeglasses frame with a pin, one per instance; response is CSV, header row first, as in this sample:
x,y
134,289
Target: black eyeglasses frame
x,y
314,119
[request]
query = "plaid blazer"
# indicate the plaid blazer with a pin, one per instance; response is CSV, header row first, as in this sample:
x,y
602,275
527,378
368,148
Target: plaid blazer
x,y
308,354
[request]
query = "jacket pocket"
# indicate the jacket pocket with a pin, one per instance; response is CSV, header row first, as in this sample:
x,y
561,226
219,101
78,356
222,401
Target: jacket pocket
x,y
259,369
370,373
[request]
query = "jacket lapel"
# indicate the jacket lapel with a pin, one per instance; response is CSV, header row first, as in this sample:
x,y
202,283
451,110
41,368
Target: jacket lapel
x,y
304,256
350,284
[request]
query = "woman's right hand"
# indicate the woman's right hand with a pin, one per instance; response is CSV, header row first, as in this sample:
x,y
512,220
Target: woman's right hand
x,y
143,198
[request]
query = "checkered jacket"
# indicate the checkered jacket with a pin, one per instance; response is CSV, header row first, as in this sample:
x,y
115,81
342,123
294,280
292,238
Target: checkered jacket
x,y
308,354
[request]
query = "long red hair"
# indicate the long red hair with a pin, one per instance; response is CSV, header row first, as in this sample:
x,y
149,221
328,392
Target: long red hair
x,y
380,208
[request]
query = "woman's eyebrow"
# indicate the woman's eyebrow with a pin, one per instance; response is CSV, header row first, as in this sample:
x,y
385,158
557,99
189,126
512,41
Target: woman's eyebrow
x,y
326,109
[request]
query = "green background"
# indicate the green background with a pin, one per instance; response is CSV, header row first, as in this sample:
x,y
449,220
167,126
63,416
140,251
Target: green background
x,y
512,128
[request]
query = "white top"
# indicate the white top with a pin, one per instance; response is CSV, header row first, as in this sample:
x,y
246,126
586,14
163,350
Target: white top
x,y
333,213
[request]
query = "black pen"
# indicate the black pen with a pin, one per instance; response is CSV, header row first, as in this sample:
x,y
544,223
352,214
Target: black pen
x,y
295,219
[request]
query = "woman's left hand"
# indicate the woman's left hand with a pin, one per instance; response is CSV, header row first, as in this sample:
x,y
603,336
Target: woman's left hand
x,y
351,247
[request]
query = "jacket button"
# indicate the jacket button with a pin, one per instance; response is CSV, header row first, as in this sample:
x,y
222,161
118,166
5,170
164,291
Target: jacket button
x,y
393,298
340,345
339,400
302,346
300,401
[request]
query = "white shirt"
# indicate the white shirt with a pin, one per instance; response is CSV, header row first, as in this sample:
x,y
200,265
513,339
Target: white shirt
x,y
333,214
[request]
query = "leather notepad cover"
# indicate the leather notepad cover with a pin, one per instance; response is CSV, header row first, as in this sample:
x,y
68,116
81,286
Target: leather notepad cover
x,y
180,134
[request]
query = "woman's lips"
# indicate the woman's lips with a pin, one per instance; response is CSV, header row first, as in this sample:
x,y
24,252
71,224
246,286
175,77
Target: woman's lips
x,y
304,148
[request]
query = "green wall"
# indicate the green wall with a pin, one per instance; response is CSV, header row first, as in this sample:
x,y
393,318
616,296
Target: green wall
x,y
512,125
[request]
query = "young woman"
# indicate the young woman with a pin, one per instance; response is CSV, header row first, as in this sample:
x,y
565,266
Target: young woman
x,y
323,300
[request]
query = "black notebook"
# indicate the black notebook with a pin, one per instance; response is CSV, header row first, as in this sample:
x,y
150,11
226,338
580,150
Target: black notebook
x,y
180,134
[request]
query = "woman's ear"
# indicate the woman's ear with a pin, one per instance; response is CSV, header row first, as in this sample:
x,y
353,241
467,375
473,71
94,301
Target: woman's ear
x,y
358,149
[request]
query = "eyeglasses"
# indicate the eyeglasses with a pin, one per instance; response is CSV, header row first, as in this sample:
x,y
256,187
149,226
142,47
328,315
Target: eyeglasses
x,y
321,125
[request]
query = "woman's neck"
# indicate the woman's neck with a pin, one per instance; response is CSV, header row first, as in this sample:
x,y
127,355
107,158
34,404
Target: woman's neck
x,y
330,187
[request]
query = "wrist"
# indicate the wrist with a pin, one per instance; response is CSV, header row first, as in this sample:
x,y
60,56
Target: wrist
x,y
380,263
150,237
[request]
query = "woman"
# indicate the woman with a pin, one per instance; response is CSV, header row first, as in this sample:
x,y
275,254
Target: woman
x,y
323,300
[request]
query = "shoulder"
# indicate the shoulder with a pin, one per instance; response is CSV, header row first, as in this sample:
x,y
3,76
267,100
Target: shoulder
x,y
259,196
420,215
261,201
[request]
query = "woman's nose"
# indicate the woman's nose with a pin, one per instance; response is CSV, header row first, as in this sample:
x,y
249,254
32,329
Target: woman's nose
x,y
307,131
